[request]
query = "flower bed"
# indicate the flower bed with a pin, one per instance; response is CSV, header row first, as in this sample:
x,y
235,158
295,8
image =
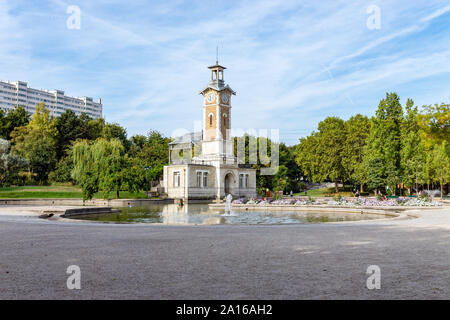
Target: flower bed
x,y
345,202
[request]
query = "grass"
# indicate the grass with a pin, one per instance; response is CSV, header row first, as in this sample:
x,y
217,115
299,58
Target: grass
x,y
325,192
58,192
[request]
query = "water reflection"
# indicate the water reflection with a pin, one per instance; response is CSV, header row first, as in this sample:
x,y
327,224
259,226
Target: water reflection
x,y
194,214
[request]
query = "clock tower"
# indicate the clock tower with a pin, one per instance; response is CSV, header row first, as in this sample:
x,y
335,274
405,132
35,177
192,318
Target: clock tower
x,y
214,172
217,142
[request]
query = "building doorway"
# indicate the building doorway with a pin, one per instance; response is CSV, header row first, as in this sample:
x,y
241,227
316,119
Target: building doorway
x,y
228,182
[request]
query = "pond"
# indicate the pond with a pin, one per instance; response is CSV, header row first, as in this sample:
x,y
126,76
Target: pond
x,y
173,214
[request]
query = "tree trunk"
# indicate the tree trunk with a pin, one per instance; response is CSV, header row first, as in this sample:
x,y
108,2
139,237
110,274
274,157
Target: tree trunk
x,y
336,186
361,188
117,194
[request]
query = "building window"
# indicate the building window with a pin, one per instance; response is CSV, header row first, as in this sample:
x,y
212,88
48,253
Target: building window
x,y
199,179
176,179
243,181
202,179
210,119
205,179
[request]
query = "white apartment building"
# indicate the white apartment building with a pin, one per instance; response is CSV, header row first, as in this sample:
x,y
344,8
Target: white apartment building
x,y
18,93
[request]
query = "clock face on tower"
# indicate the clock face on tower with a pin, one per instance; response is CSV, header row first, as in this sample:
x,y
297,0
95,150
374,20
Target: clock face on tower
x,y
224,98
211,96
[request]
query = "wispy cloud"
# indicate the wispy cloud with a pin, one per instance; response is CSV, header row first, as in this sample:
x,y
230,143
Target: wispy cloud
x,y
291,62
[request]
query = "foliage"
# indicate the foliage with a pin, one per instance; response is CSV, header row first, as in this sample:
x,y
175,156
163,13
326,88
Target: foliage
x,y
10,165
357,130
320,156
37,142
412,148
69,127
63,170
384,141
103,165
12,119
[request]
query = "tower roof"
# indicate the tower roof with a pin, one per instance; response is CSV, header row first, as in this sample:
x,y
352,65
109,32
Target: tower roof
x,y
217,83
217,66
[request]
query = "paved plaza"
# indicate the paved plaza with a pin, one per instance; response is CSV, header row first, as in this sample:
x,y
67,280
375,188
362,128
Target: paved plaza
x,y
322,261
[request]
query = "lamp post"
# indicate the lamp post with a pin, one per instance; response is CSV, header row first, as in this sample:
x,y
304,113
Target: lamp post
x,y
147,168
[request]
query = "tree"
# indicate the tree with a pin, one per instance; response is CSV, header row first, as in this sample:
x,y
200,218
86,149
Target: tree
x,y
320,155
280,178
384,141
441,165
293,174
151,151
357,130
69,127
14,118
375,174
435,124
10,165
330,149
115,131
307,157
37,142
412,152
104,166
91,129
63,169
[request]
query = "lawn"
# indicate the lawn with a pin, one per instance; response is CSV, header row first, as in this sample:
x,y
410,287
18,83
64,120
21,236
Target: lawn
x,y
57,192
325,192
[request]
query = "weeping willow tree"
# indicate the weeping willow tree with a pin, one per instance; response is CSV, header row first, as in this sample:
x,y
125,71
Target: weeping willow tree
x,y
104,166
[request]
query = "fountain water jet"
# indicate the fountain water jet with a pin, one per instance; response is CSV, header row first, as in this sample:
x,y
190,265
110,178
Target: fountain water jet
x,y
228,200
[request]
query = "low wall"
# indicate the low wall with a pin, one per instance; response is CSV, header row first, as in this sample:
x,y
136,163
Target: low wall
x,y
79,202
87,211
318,208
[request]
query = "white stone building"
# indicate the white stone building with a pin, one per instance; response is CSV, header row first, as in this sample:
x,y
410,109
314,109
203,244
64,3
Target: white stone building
x,y
202,165
19,94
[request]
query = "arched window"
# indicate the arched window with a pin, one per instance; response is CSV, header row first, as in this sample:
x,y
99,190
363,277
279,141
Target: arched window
x,y
210,119
225,120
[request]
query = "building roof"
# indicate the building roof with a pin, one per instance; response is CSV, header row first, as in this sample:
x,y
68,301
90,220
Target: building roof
x,y
218,86
191,137
217,65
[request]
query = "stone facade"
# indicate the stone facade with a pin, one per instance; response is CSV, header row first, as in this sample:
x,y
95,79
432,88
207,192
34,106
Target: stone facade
x,y
203,165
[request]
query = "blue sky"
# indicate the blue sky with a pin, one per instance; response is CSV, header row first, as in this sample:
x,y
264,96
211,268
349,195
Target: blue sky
x,y
292,63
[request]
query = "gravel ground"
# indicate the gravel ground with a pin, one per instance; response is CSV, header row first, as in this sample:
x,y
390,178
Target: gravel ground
x,y
323,261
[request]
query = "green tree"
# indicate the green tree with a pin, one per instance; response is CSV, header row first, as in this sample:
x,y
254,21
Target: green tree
x,y
293,174
357,130
69,127
10,165
441,165
375,174
63,169
307,156
384,141
151,151
434,120
12,119
104,166
330,149
115,131
413,158
37,142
